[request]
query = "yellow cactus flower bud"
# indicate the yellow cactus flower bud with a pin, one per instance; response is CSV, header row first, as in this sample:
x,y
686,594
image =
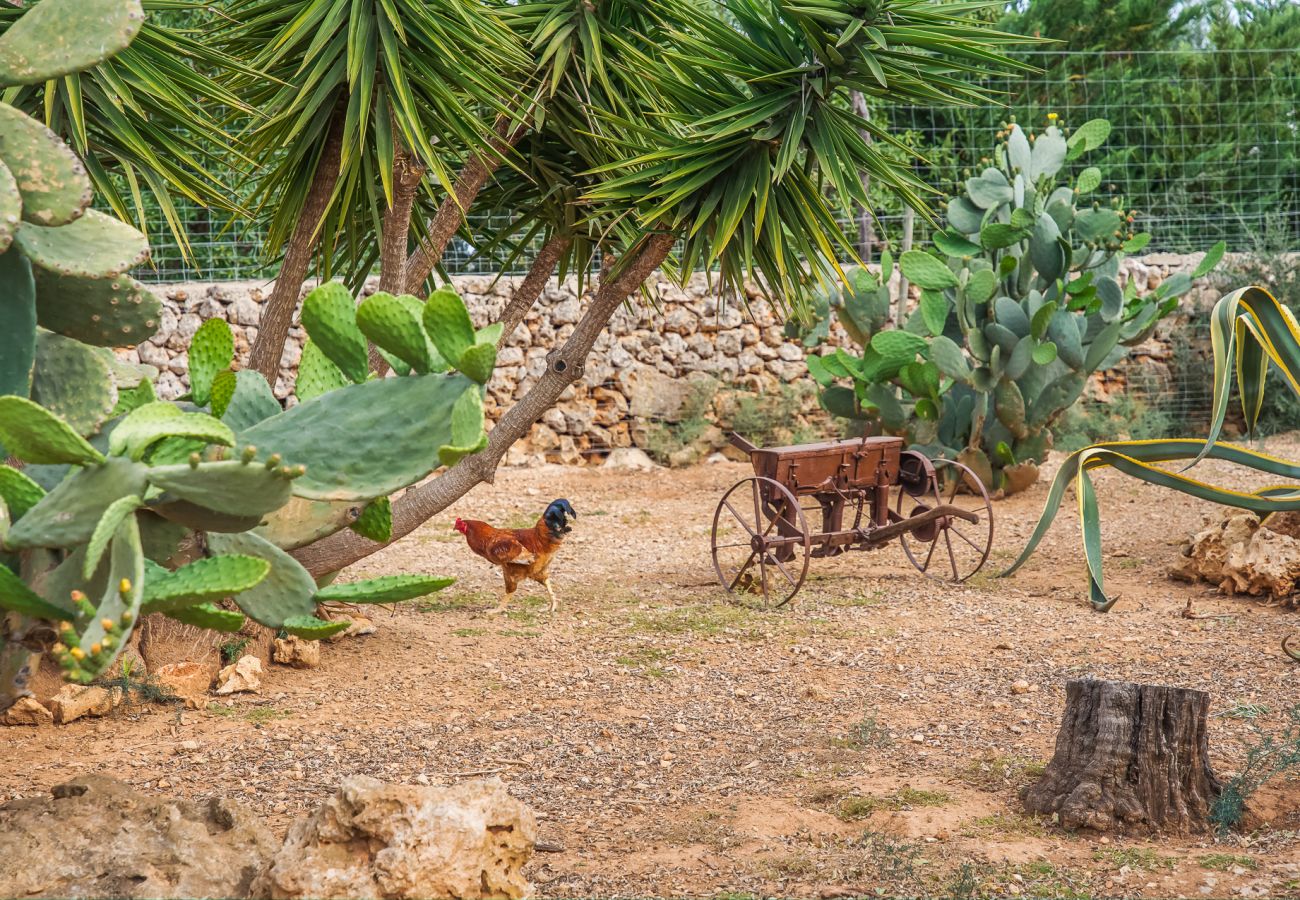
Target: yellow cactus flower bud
x,y
77,653
108,624
59,649
1052,117
65,627
127,617
96,649
77,596
124,586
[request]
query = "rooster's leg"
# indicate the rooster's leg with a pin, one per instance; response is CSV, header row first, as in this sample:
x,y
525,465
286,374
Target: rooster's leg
x,y
555,603
501,607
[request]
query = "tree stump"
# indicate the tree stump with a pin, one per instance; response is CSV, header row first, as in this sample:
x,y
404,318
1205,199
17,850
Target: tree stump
x,y
1129,756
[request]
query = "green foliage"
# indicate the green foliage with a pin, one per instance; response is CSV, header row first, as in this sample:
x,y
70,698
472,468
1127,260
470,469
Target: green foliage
x,y
1020,304
1268,756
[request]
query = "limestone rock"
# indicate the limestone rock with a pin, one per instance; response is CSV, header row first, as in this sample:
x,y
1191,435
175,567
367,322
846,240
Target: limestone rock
x,y
1240,555
244,674
296,652
376,840
187,680
96,837
77,700
630,458
26,711
357,626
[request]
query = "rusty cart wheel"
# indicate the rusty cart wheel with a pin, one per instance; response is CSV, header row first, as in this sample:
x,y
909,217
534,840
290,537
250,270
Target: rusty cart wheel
x,y
760,543
948,548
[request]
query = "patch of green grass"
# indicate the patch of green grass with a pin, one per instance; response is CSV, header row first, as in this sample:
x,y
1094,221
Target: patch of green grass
x,y
470,632
234,648
857,806
1222,862
1134,857
698,620
994,773
447,602
866,733
1247,711
519,632
1004,824
644,661
256,714
1041,879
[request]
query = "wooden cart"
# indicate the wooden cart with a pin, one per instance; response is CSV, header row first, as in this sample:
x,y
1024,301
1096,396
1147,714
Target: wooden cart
x,y
762,542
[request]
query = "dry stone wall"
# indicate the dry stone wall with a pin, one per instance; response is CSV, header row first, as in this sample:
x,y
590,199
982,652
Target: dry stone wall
x,y
686,354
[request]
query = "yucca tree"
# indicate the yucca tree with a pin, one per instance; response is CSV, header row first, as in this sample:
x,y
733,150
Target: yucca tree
x,y
355,96
148,122
718,134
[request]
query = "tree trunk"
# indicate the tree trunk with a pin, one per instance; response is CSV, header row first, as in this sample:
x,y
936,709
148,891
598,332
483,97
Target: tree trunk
x,y
1129,756
469,182
564,367
530,288
866,226
407,174
277,314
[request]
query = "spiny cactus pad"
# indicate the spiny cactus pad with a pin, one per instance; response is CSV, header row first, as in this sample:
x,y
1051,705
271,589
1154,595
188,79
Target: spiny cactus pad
x,y
385,589
285,592
67,515
59,37
200,518
16,596
153,422
478,362
252,401
118,608
330,316
209,616
311,628
365,440
53,183
11,207
212,350
104,530
467,434
93,246
106,312
230,486
17,324
203,581
447,322
395,327
18,491
376,521
74,382
301,521
316,374
35,435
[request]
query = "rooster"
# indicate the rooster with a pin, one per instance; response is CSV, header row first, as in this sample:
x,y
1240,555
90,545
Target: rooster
x,y
509,548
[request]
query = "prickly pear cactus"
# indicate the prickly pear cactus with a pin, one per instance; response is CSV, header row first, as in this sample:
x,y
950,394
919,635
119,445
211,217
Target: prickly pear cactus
x,y
101,510
1020,303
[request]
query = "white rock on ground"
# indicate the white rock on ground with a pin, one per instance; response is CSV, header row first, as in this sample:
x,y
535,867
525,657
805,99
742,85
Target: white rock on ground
x,y
26,711
371,839
244,674
77,700
296,652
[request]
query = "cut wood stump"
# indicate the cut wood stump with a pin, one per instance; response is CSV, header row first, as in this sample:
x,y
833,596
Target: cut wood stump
x,y
1129,757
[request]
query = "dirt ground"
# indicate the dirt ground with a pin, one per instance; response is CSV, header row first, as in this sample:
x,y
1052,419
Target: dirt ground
x,y
865,740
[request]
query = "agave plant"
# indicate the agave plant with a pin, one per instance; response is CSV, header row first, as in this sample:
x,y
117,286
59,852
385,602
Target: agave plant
x,y
1249,330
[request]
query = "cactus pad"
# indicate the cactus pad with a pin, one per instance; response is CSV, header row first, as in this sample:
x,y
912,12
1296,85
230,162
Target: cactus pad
x,y
93,246
316,374
396,328
53,183
203,581
74,382
375,521
251,402
118,510
467,435
209,616
16,596
212,350
447,323
67,515
60,37
223,388
119,606
17,324
385,589
478,362
330,316
313,629
200,518
161,539
285,592
36,435
365,440
18,492
106,312
145,426
11,207
301,522
231,486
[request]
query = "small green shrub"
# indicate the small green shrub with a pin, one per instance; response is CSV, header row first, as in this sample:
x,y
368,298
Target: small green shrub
x,y
1270,755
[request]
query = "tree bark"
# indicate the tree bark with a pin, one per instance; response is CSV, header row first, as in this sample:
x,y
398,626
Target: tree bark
x,y
564,367
866,226
277,314
530,288
469,182
407,174
1129,756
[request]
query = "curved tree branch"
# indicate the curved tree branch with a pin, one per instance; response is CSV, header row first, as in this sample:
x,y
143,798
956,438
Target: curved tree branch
x,y
565,366
530,288
407,173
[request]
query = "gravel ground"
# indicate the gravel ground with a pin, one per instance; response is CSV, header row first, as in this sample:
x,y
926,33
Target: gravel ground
x,y
867,739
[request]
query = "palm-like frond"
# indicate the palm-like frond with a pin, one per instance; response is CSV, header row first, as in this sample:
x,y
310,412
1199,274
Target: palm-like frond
x,y
147,122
